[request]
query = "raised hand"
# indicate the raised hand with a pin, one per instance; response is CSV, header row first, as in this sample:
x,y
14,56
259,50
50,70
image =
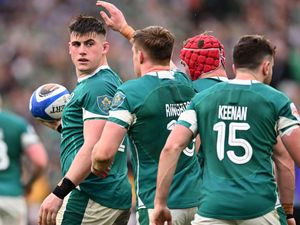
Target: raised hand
x,y
115,20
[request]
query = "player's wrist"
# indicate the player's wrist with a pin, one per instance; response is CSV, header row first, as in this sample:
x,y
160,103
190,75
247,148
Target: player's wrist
x,y
127,31
63,188
159,203
288,209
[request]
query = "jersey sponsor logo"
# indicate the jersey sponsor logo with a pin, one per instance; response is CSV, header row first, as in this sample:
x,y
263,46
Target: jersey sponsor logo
x,y
295,112
229,112
117,100
104,102
175,109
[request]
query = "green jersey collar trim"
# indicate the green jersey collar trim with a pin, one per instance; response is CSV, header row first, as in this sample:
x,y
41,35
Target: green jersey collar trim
x,y
95,72
164,74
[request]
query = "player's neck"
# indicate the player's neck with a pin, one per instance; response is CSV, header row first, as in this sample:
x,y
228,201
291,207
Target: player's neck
x,y
243,74
154,68
85,73
220,72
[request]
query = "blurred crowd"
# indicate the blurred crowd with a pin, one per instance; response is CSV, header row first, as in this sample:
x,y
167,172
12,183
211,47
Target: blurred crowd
x,y
34,44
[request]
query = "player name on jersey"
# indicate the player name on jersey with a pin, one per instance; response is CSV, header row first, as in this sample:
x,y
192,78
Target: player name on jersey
x,y
176,109
228,112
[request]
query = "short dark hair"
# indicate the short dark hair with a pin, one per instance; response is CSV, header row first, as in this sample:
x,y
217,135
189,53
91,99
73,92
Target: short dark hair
x,y
87,24
250,51
157,41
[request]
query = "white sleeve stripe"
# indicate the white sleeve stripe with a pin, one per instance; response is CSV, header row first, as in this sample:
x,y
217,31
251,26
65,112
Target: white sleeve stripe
x,y
284,122
89,115
28,139
123,115
288,130
190,117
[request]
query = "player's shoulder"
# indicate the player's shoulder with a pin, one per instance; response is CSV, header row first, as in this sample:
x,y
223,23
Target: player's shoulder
x,y
106,75
270,92
182,77
211,90
105,80
13,119
133,84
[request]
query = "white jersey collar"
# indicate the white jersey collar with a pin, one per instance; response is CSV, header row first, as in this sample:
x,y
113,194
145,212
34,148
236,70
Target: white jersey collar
x,y
219,78
164,74
243,82
90,75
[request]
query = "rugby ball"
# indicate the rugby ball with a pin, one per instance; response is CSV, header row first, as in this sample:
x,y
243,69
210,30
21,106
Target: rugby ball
x,y
48,101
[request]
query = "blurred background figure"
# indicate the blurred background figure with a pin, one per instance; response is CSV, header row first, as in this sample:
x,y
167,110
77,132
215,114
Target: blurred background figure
x,y
23,159
33,44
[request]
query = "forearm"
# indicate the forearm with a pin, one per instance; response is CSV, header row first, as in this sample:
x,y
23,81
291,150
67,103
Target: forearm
x,y
35,173
77,172
166,169
80,167
285,175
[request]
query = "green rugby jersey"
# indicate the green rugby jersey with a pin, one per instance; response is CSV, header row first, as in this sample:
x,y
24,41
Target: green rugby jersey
x,y
149,107
90,100
15,136
201,85
238,122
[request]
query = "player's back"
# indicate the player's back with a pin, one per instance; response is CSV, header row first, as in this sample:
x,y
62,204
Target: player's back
x,y
156,100
240,118
12,130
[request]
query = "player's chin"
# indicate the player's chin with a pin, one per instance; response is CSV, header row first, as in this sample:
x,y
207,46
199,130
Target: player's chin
x,y
84,68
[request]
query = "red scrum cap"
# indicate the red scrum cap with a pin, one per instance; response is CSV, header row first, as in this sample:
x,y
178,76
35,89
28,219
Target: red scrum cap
x,y
202,53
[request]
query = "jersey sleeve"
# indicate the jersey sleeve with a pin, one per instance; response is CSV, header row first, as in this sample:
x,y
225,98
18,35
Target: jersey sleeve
x,y
189,118
288,118
29,137
120,112
97,102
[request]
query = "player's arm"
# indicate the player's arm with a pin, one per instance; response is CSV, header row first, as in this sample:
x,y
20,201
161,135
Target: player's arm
x,y
115,20
291,141
81,166
178,139
37,154
78,171
285,177
106,148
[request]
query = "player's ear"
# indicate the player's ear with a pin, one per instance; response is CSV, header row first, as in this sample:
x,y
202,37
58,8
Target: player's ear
x,y
69,47
186,68
233,69
141,57
105,47
266,67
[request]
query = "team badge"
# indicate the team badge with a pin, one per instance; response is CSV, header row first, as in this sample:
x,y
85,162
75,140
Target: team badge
x,y
295,112
118,100
104,103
